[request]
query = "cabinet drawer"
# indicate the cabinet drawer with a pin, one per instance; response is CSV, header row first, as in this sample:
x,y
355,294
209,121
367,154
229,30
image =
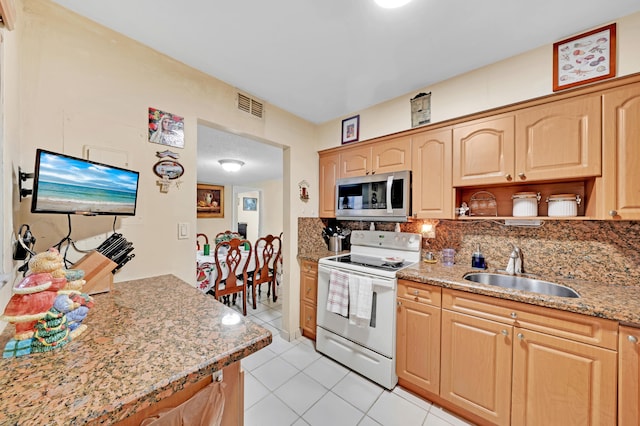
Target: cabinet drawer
x,y
568,325
309,267
422,293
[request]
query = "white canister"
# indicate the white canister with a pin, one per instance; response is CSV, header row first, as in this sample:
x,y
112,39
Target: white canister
x,y
563,205
525,203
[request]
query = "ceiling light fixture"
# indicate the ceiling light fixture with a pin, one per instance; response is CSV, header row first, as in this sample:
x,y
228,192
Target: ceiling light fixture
x,y
391,4
231,165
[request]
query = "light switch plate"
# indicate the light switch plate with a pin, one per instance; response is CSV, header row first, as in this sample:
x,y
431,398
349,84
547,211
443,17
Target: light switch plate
x,y
183,231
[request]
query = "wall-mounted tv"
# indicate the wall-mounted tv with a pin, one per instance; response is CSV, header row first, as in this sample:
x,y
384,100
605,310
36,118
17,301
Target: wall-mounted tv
x,y
69,185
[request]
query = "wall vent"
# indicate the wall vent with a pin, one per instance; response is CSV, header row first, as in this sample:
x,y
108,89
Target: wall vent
x,y
250,105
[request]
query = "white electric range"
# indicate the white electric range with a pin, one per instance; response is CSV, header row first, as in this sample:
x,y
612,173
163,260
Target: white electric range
x,y
369,350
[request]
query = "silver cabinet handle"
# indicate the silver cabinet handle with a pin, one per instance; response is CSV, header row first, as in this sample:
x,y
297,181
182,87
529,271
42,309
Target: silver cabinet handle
x,y
504,332
399,303
507,176
514,315
416,292
632,339
520,336
613,213
522,176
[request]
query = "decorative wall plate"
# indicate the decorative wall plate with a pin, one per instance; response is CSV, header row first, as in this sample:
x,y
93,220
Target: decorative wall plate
x,y
171,169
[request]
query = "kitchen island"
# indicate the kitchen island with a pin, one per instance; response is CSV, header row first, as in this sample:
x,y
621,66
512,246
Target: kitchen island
x,y
147,340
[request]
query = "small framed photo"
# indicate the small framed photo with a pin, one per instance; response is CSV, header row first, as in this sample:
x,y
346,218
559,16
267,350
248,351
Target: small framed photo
x,y
210,200
249,204
351,129
584,58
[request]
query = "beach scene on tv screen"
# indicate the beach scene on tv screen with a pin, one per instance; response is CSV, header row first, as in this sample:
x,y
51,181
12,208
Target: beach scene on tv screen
x,y
69,185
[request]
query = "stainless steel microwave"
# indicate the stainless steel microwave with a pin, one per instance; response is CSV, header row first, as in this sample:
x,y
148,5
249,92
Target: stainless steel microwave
x,y
379,197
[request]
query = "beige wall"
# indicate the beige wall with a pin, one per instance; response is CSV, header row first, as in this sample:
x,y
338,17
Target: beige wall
x,y
81,84
272,206
516,79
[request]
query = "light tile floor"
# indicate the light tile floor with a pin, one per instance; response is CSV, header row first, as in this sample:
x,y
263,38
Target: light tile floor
x,y
289,383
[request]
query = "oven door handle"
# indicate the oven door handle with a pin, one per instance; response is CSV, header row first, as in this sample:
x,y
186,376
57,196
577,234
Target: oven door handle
x,y
377,281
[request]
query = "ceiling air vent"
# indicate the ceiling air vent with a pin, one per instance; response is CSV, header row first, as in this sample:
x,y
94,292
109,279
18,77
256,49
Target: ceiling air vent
x,y
250,105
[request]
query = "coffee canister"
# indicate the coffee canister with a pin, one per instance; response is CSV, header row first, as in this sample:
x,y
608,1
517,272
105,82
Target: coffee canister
x,y
563,205
525,203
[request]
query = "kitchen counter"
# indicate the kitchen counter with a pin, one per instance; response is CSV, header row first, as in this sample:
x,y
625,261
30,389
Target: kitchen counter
x,y
605,300
146,340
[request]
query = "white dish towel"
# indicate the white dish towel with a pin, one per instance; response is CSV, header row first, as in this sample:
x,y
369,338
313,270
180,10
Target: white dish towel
x,y
338,297
360,299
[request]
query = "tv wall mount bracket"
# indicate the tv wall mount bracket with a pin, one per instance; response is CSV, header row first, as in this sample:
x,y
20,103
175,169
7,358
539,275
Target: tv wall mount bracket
x,y
22,177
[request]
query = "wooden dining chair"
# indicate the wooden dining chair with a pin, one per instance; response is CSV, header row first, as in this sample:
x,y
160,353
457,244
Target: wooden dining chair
x,y
267,250
201,237
236,278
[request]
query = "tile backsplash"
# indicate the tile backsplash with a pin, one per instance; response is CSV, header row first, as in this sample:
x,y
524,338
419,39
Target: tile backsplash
x,y
600,251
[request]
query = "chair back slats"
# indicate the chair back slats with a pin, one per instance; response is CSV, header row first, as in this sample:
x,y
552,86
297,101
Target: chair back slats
x,y
267,250
201,237
231,262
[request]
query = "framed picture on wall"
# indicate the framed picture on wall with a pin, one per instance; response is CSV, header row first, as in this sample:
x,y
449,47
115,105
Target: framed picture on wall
x,y
584,58
210,200
249,204
351,129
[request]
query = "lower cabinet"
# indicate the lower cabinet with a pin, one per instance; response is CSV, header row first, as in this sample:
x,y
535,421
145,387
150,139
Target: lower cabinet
x,y
629,377
308,297
476,366
509,363
418,335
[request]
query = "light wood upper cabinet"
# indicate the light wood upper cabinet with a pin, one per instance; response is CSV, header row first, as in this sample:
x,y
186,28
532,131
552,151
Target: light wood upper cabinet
x,y
432,190
483,151
559,140
621,163
329,167
629,377
391,155
554,141
561,382
418,335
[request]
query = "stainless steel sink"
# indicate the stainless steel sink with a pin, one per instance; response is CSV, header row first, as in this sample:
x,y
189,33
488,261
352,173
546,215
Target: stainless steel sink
x,y
521,283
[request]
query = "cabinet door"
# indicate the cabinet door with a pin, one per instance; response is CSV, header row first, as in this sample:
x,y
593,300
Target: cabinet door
x,y
418,344
629,377
392,155
355,161
559,140
560,382
329,167
432,187
621,165
483,151
476,365
308,297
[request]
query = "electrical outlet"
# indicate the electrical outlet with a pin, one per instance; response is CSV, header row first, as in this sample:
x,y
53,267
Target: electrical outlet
x,y
183,230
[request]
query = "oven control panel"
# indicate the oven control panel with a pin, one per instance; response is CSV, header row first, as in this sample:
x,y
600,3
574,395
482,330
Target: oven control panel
x,y
387,239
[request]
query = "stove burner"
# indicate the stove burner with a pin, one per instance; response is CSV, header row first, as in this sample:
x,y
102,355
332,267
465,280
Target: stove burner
x,y
370,262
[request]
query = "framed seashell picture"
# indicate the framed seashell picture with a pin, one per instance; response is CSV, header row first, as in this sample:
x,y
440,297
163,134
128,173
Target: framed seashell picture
x,y
584,58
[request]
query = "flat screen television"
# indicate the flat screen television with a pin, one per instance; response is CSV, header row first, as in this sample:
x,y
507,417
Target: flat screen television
x,y
70,185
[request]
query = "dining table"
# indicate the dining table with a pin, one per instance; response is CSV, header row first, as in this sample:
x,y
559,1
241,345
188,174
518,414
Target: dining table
x,y
206,272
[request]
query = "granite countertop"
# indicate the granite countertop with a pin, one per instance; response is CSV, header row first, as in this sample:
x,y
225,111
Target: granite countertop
x,y
145,340
604,300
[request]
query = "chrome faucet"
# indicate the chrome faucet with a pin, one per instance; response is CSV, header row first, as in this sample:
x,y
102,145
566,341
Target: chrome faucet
x,y
515,261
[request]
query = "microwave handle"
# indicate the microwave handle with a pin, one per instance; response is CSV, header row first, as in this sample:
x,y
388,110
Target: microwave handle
x,y
389,185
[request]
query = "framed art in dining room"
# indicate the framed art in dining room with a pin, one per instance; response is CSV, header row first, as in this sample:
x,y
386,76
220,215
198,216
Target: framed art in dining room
x,y
351,129
210,201
585,58
249,204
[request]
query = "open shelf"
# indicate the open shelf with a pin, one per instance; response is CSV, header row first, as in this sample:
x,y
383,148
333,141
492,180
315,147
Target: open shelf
x,y
584,188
